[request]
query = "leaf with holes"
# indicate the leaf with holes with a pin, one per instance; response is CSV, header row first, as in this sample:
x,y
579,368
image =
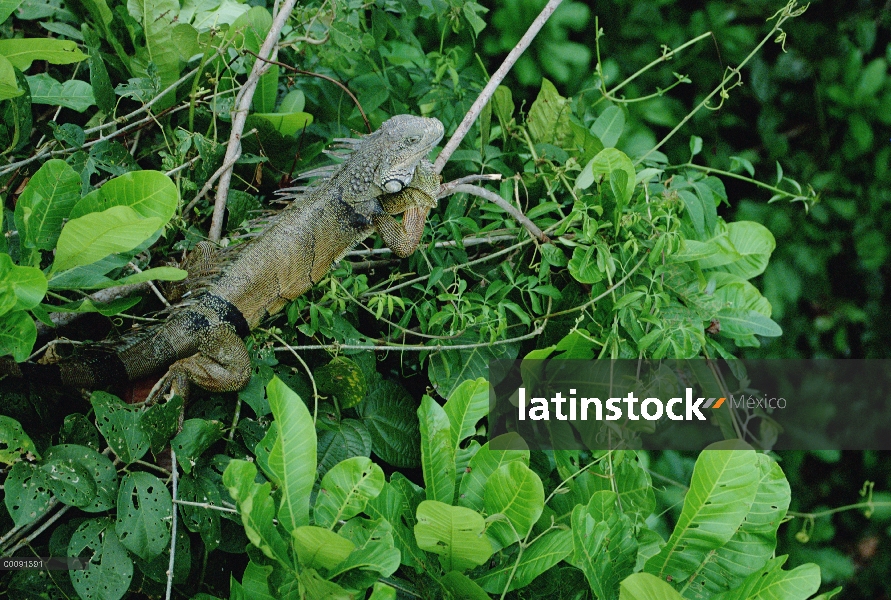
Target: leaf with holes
x,y
721,494
144,507
454,533
119,425
110,571
26,495
346,489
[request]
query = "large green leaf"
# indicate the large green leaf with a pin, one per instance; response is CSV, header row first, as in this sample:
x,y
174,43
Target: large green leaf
x,y
21,52
755,540
515,491
26,495
287,124
392,505
391,417
609,125
604,546
7,7
18,334
74,93
721,494
449,368
454,533
320,548
485,462
773,583
643,586
541,555
46,201
96,235
602,165
755,243
346,489
375,548
465,407
156,19
257,510
293,456
149,193
9,85
548,119
437,452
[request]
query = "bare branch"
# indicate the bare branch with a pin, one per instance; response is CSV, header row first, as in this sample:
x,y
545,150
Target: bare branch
x,y
509,208
448,188
496,80
240,113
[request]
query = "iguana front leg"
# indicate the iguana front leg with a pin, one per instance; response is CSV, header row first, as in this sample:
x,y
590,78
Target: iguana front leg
x,y
222,363
413,203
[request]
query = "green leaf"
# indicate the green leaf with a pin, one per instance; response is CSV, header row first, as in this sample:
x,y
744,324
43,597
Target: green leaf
x,y
773,583
437,452
7,7
257,510
755,243
16,443
721,494
349,438
293,457
609,125
293,102
320,548
746,322
69,481
148,193
548,119
267,91
287,124
119,425
485,462
9,85
26,495
393,505
196,436
156,19
375,551
21,52
144,507
110,568
454,533
198,519
45,202
461,586
392,420
22,287
465,407
605,162
74,93
449,368
99,79
583,265
516,492
94,236
755,541
316,588
604,546
643,586
343,379
540,556
346,489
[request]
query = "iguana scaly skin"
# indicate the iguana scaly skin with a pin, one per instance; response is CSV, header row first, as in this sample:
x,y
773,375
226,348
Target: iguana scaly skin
x,y
387,173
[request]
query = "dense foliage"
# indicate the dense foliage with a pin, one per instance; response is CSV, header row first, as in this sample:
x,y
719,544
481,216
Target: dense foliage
x,y
671,189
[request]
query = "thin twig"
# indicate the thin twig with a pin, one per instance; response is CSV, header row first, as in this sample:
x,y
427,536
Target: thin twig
x,y
239,116
471,241
174,480
494,82
509,208
411,347
151,284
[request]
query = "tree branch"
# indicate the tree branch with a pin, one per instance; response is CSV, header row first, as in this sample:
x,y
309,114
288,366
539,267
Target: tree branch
x,y
239,116
506,206
496,80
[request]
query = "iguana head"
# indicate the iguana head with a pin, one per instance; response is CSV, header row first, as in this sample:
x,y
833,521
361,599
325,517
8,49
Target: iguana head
x,y
404,140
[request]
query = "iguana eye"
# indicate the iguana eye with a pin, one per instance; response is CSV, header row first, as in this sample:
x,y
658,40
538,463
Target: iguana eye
x,y
413,139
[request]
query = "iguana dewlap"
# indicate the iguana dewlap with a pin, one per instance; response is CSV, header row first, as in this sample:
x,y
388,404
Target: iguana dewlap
x,y
387,173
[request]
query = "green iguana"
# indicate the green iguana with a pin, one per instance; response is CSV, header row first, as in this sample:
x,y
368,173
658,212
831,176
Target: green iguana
x,y
386,173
